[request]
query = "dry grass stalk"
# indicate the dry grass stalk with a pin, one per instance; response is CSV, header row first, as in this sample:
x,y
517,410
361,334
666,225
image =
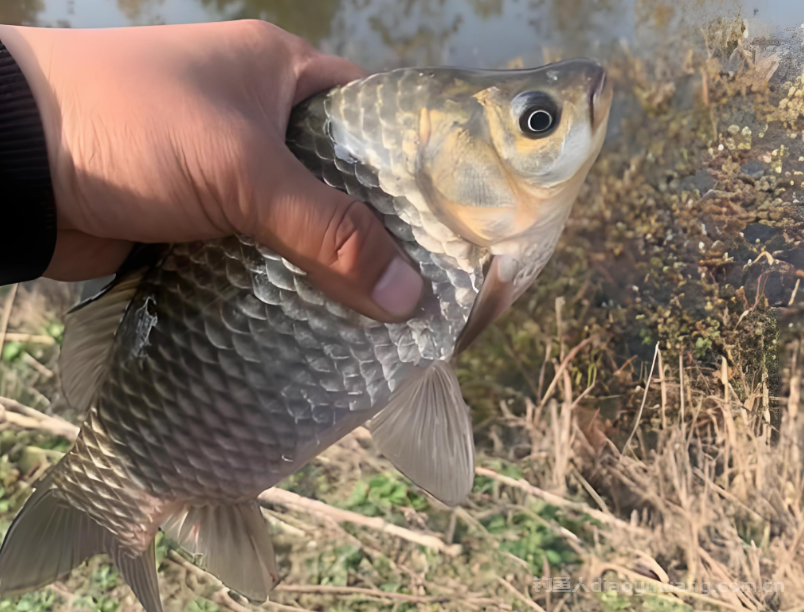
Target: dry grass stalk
x,y
30,338
642,406
221,595
24,417
6,314
523,598
312,506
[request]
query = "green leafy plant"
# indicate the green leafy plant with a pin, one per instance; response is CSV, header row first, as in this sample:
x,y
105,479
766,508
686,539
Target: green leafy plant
x,y
382,493
12,351
39,601
334,565
201,605
525,536
105,578
484,484
55,329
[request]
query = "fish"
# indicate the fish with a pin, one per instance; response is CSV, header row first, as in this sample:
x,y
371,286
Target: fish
x,y
209,371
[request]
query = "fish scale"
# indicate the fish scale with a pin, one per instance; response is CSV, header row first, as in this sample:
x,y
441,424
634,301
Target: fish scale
x,y
192,359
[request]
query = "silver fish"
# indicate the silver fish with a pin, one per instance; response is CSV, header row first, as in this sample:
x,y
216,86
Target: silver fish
x,y
211,371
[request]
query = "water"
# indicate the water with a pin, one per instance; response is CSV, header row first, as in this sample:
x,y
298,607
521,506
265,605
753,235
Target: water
x,y
387,33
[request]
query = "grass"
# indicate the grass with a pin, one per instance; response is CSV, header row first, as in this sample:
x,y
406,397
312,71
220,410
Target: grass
x,y
590,469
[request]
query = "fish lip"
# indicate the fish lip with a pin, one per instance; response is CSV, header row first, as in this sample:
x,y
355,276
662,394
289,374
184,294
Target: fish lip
x,y
599,88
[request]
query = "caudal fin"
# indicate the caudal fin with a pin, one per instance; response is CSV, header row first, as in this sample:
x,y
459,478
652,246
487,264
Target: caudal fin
x,y
50,537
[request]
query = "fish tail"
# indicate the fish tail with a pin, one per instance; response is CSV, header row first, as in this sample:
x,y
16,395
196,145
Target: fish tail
x,y
50,536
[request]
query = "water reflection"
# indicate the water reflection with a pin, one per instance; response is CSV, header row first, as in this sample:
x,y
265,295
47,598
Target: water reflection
x,y
419,30
385,33
23,12
313,20
141,12
576,19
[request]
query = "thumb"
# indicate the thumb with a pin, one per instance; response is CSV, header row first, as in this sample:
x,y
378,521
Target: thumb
x,y
340,243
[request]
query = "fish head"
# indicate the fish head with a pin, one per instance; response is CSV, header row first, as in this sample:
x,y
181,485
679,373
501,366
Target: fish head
x,y
547,129
517,161
547,125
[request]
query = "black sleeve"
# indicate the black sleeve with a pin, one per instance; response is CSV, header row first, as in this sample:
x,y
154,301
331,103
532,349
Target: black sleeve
x,y
27,205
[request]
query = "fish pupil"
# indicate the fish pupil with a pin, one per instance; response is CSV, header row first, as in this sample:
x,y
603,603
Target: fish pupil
x,y
540,121
540,115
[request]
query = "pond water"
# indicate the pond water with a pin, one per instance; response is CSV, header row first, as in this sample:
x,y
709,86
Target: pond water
x,y
387,33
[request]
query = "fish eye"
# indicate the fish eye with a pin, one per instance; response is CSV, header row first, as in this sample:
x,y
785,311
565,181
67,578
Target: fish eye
x,y
540,116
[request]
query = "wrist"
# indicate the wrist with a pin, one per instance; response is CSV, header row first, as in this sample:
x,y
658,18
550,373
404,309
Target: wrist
x,y
25,178
26,46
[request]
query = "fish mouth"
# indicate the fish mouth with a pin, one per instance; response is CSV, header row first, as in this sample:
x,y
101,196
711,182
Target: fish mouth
x,y
600,94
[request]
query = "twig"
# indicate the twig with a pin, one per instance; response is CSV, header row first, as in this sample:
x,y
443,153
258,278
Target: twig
x,y
38,395
224,600
619,371
221,596
555,500
25,417
63,591
570,356
6,314
590,490
642,406
345,590
526,600
790,554
312,506
728,496
36,365
795,291
30,339
681,390
662,587
663,386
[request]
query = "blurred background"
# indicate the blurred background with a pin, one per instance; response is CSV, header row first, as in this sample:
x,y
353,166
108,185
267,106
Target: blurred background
x,y
636,414
387,33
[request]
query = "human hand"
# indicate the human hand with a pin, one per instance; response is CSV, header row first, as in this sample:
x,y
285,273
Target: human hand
x,y
176,133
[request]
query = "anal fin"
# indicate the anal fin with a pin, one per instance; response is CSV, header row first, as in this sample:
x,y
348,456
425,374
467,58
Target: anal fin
x,y
426,432
233,542
139,573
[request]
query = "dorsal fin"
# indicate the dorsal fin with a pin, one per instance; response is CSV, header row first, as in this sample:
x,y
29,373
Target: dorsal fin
x,y
90,328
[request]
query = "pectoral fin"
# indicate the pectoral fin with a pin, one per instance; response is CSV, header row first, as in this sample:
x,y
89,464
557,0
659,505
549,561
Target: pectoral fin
x,y
496,296
426,432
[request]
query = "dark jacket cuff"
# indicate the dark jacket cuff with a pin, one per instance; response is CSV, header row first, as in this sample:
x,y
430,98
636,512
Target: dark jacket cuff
x,y
27,204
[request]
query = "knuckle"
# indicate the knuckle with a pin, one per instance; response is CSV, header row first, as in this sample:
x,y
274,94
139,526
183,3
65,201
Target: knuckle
x,y
262,38
347,232
301,49
255,27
